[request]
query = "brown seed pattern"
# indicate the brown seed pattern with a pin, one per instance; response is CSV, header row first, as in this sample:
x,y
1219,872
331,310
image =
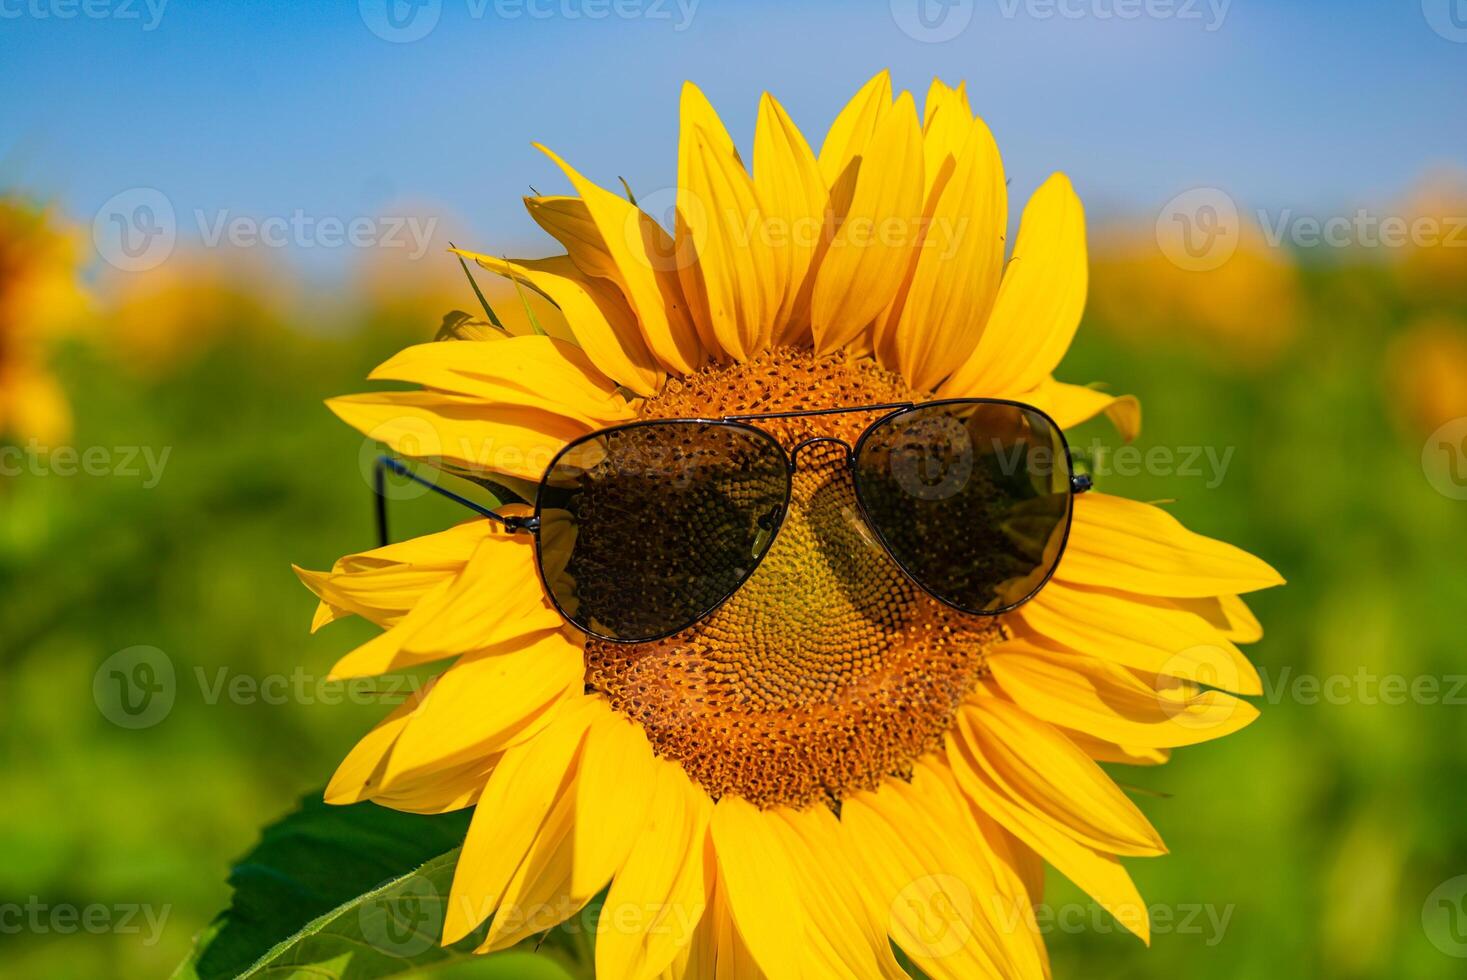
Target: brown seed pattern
x,y
828,671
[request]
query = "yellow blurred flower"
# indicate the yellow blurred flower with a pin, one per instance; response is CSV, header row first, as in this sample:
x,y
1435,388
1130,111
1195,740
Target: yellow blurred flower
x,y
412,284
1244,312
1435,257
162,318
1427,373
40,297
831,760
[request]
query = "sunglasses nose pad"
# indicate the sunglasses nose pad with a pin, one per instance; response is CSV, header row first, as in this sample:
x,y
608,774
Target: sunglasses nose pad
x,y
768,525
847,454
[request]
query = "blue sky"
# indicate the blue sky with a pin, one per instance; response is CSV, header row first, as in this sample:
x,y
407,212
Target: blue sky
x,y
263,108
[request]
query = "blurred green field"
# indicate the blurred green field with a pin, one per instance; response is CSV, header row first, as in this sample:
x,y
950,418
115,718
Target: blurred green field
x,y
1307,845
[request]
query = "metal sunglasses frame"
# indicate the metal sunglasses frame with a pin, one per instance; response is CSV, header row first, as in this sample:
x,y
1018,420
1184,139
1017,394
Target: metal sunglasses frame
x,y
1077,484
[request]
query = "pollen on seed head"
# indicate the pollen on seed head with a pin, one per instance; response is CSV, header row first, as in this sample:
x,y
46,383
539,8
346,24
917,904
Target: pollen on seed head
x,y
828,671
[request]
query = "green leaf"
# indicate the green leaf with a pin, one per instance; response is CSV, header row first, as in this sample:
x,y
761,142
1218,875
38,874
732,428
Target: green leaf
x,y
458,325
321,866
358,892
483,301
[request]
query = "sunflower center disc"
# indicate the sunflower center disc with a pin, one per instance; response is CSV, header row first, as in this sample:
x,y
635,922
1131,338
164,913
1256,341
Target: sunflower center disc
x,y
828,670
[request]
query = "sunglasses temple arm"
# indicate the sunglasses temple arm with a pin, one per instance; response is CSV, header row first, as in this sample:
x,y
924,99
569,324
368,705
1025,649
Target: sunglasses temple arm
x,y
397,466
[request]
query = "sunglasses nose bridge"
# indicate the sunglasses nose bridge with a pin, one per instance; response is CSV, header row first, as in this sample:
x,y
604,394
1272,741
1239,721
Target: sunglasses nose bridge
x,y
794,454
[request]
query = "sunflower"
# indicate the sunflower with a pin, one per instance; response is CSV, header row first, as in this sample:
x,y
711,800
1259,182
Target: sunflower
x,y
39,294
832,764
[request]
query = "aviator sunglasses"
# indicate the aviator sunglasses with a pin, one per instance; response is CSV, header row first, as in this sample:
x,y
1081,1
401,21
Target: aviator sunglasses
x,y
645,529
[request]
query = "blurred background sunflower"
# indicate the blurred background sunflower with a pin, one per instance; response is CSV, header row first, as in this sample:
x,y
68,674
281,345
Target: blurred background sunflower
x,y
1302,394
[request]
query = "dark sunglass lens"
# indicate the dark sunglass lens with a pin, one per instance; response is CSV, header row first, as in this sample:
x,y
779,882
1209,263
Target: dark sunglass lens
x,y
645,529
971,498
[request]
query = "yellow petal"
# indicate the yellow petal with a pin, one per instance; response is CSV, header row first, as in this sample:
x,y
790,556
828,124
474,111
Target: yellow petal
x,y
646,268
958,266
1098,873
658,898
569,221
1124,544
359,774
538,896
1109,702
937,896
845,935
598,316
612,792
528,781
1243,626
1070,405
1044,772
755,877
733,288
854,127
1139,632
530,371
792,195
436,427
1126,755
485,701
947,122
381,585
695,213
1010,905
1039,301
496,598
868,256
